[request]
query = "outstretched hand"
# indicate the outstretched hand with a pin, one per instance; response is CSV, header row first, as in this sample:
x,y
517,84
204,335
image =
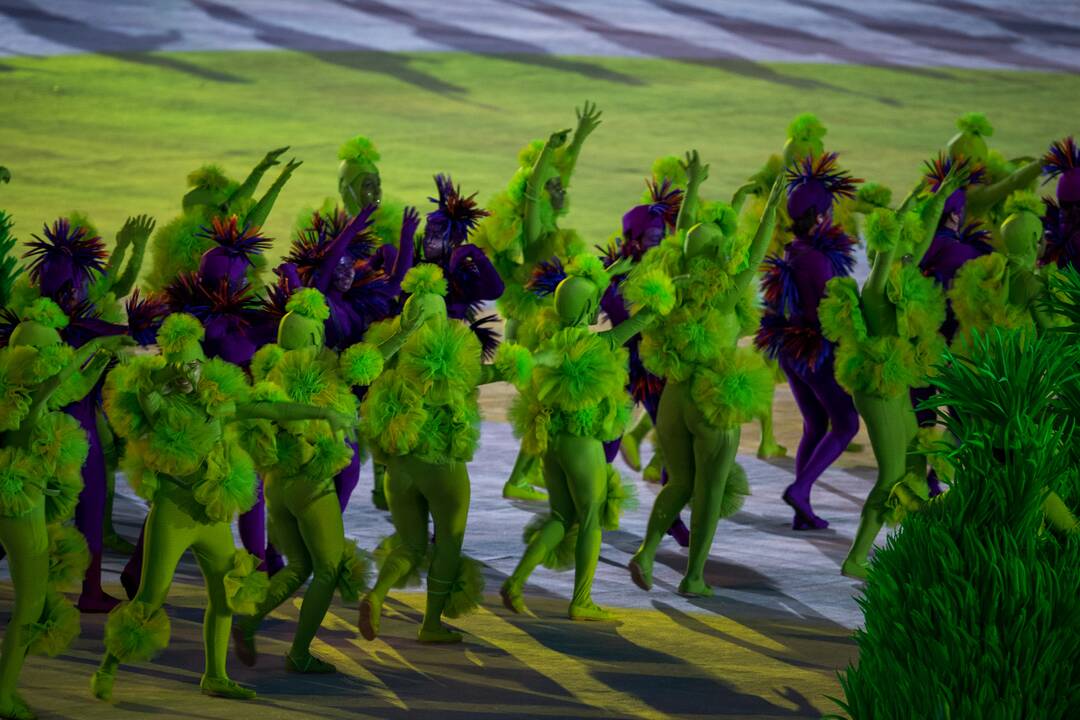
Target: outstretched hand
x,y
290,167
410,222
136,230
5,174
588,119
696,173
340,421
271,158
776,193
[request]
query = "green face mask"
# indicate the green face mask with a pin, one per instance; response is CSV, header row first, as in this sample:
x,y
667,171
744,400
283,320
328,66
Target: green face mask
x,y
359,185
968,145
577,302
1021,233
296,332
34,334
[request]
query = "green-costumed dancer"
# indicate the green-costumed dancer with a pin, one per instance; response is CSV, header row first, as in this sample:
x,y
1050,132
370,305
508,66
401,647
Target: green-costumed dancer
x,y
713,386
179,245
522,232
576,401
177,412
887,341
299,469
423,420
41,456
360,185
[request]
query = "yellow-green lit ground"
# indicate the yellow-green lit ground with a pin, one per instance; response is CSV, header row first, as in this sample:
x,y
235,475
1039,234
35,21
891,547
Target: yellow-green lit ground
x,y
116,135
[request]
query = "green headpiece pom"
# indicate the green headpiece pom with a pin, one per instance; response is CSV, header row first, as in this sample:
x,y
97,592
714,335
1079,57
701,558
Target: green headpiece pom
x,y
882,230
1022,201
528,154
590,268
806,127
308,303
650,289
359,150
875,195
179,338
44,311
720,214
670,168
975,123
210,177
911,231
425,278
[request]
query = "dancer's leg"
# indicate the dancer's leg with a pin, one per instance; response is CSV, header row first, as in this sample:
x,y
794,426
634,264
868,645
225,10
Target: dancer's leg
x,y
323,533
91,510
27,546
674,438
252,526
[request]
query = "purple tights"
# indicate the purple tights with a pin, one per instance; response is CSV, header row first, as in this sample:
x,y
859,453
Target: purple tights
x,y
830,422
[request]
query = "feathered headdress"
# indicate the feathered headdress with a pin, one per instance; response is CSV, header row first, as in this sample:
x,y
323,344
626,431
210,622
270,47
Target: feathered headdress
x,y
145,313
311,244
821,171
457,215
359,149
67,255
234,240
546,276
1063,155
938,169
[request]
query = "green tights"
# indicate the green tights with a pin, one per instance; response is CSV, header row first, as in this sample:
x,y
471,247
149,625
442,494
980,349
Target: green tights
x,y
414,490
27,545
575,470
698,456
311,534
171,529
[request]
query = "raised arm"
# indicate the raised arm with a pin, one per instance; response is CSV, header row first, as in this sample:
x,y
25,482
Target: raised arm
x,y
261,211
760,244
135,232
339,247
535,185
930,213
627,329
406,254
285,411
588,119
981,198
40,399
247,188
696,173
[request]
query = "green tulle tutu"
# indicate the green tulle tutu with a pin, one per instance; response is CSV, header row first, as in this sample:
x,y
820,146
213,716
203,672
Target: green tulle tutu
x,y
135,633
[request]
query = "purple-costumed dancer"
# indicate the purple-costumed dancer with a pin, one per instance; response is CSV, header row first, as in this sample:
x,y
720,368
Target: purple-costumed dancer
x,y
956,241
643,227
472,279
361,284
790,333
1061,223
64,262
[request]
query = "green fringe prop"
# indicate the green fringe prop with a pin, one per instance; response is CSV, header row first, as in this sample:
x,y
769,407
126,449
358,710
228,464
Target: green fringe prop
x,y
354,578
134,633
562,556
442,359
229,485
514,364
19,475
209,177
651,290
621,496
425,278
1022,201
882,230
265,360
57,629
391,543
737,391
69,557
245,586
669,167
361,364
46,312
736,490
467,590
222,386
588,267
806,126
308,303
874,195
393,414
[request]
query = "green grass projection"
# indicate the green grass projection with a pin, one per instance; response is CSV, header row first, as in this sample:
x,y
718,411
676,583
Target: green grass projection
x,y
117,135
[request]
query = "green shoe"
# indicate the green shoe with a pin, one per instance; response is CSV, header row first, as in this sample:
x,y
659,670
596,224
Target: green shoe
x,y
522,491
16,709
653,471
772,449
370,612
439,635
696,589
512,599
590,612
855,569
641,571
853,447
101,684
310,665
225,688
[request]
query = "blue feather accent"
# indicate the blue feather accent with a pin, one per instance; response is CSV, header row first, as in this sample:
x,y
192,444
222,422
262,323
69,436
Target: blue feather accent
x,y
781,295
546,276
835,244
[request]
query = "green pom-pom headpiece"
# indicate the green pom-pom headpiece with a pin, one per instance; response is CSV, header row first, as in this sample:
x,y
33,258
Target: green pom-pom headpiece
x,y
1024,202
208,177
670,168
806,127
721,215
650,290
308,303
180,339
974,123
589,267
425,279
46,312
359,150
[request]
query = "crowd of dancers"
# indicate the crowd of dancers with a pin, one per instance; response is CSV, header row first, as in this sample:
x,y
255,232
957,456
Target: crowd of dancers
x,y
224,390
